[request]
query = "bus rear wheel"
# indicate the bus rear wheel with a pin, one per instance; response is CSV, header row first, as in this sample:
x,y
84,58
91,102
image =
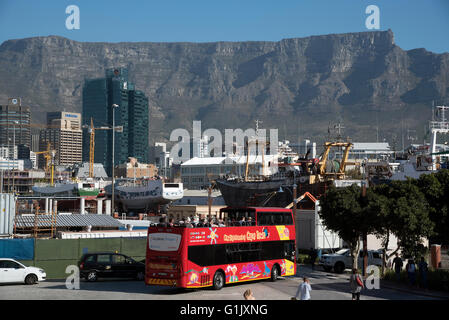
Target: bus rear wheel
x,y
274,273
218,281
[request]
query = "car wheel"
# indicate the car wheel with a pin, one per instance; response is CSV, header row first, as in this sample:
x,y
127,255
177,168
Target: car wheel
x,y
219,280
339,267
31,279
274,273
92,276
327,268
140,275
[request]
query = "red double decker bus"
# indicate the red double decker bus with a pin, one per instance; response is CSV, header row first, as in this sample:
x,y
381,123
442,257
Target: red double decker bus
x,y
195,257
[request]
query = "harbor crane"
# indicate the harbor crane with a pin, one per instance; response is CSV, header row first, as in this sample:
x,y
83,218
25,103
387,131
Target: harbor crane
x,y
91,130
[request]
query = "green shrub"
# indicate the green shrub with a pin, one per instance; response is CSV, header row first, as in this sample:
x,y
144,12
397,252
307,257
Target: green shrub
x,y
436,279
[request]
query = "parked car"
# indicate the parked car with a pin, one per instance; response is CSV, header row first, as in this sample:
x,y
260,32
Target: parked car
x,y
110,265
342,260
12,271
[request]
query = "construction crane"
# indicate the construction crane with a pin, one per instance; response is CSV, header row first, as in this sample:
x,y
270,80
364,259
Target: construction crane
x,y
49,156
92,129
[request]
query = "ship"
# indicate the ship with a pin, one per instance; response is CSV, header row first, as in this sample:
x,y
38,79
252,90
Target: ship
x,y
313,175
78,188
144,195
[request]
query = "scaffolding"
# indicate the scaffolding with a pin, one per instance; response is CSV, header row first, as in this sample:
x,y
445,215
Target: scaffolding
x,y
44,224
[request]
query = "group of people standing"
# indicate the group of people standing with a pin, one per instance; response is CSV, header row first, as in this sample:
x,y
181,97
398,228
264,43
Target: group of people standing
x,y
412,268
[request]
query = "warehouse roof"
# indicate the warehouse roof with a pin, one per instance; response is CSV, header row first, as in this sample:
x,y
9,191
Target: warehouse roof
x,y
71,220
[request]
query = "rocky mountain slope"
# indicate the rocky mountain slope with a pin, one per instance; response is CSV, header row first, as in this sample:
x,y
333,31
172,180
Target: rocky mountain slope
x,y
298,85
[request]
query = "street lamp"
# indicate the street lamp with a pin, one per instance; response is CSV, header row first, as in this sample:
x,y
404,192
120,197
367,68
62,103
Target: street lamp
x,y
114,106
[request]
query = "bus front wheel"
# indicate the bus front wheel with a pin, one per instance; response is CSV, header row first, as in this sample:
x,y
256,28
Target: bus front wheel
x,y
219,280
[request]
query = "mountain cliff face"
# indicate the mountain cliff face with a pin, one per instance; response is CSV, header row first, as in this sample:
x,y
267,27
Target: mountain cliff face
x,y
296,85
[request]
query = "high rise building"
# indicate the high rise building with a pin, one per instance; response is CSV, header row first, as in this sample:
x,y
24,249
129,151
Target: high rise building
x,y
65,136
138,125
15,122
132,114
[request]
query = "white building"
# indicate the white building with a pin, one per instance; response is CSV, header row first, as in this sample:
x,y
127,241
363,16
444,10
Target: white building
x,y
196,173
160,157
9,164
6,152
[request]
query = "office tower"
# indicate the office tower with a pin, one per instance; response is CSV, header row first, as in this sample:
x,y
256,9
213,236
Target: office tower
x,y
15,122
132,114
65,137
138,125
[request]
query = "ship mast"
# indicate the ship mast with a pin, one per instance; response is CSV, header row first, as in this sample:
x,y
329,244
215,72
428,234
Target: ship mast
x,y
440,125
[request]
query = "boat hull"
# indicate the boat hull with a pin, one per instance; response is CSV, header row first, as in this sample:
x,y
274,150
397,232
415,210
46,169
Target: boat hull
x,y
271,193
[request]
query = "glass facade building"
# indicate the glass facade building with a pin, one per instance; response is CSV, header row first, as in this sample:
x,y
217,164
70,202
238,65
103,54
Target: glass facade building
x,y
15,122
132,114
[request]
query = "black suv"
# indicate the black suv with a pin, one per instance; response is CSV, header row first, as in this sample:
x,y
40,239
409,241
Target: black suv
x,y
110,265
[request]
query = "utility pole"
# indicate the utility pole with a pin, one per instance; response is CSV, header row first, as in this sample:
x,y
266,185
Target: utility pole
x,y
113,154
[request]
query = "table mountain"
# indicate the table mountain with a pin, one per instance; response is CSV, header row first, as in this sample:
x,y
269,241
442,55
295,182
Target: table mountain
x,y
299,85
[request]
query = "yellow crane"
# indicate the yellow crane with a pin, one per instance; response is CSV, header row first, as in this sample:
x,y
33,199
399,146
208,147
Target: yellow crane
x,y
92,143
49,156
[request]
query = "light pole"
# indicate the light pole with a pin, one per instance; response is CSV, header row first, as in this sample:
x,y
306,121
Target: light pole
x,y
113,155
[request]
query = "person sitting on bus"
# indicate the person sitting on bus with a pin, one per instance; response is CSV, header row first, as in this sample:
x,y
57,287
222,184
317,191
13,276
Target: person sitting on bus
x,y
250,222
205,223
242,222
200,224
162,222
213,222
171,222
221,223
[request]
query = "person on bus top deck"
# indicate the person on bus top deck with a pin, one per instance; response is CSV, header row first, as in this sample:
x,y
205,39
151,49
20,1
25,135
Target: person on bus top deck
x,y
221,223
171,222
249,222
242,222
188,223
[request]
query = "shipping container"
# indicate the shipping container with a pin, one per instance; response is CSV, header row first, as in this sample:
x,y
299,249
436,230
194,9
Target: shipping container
x,y
7,214
311,233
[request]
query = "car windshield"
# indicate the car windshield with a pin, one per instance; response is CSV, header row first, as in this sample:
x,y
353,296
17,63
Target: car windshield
x,y
342,251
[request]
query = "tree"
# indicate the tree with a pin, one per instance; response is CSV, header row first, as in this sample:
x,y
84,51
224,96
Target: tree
x,y
435,188
409,216
384,222
349,214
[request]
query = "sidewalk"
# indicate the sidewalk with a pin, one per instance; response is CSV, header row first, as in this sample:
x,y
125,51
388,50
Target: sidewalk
x,y
418,291
392,285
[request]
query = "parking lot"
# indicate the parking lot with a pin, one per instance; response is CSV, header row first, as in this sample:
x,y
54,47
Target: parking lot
x,y
325,286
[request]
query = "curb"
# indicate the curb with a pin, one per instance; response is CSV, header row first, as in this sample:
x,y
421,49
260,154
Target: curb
x,y
427,294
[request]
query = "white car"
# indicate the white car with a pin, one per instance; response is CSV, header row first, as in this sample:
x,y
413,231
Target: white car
x,y
13,271
342,260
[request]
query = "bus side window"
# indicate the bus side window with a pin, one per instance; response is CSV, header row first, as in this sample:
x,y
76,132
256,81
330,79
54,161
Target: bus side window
x,y
288,220
277,218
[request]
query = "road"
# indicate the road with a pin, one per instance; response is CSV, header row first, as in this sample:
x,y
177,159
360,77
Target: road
x,y
325,286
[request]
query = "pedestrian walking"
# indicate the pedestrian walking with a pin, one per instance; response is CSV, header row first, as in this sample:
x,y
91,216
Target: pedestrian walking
x,y
248,295
356,283
411,271
303,290
423,268
397,265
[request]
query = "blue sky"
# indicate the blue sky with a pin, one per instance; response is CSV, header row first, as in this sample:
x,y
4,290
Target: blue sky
x,y
415,23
